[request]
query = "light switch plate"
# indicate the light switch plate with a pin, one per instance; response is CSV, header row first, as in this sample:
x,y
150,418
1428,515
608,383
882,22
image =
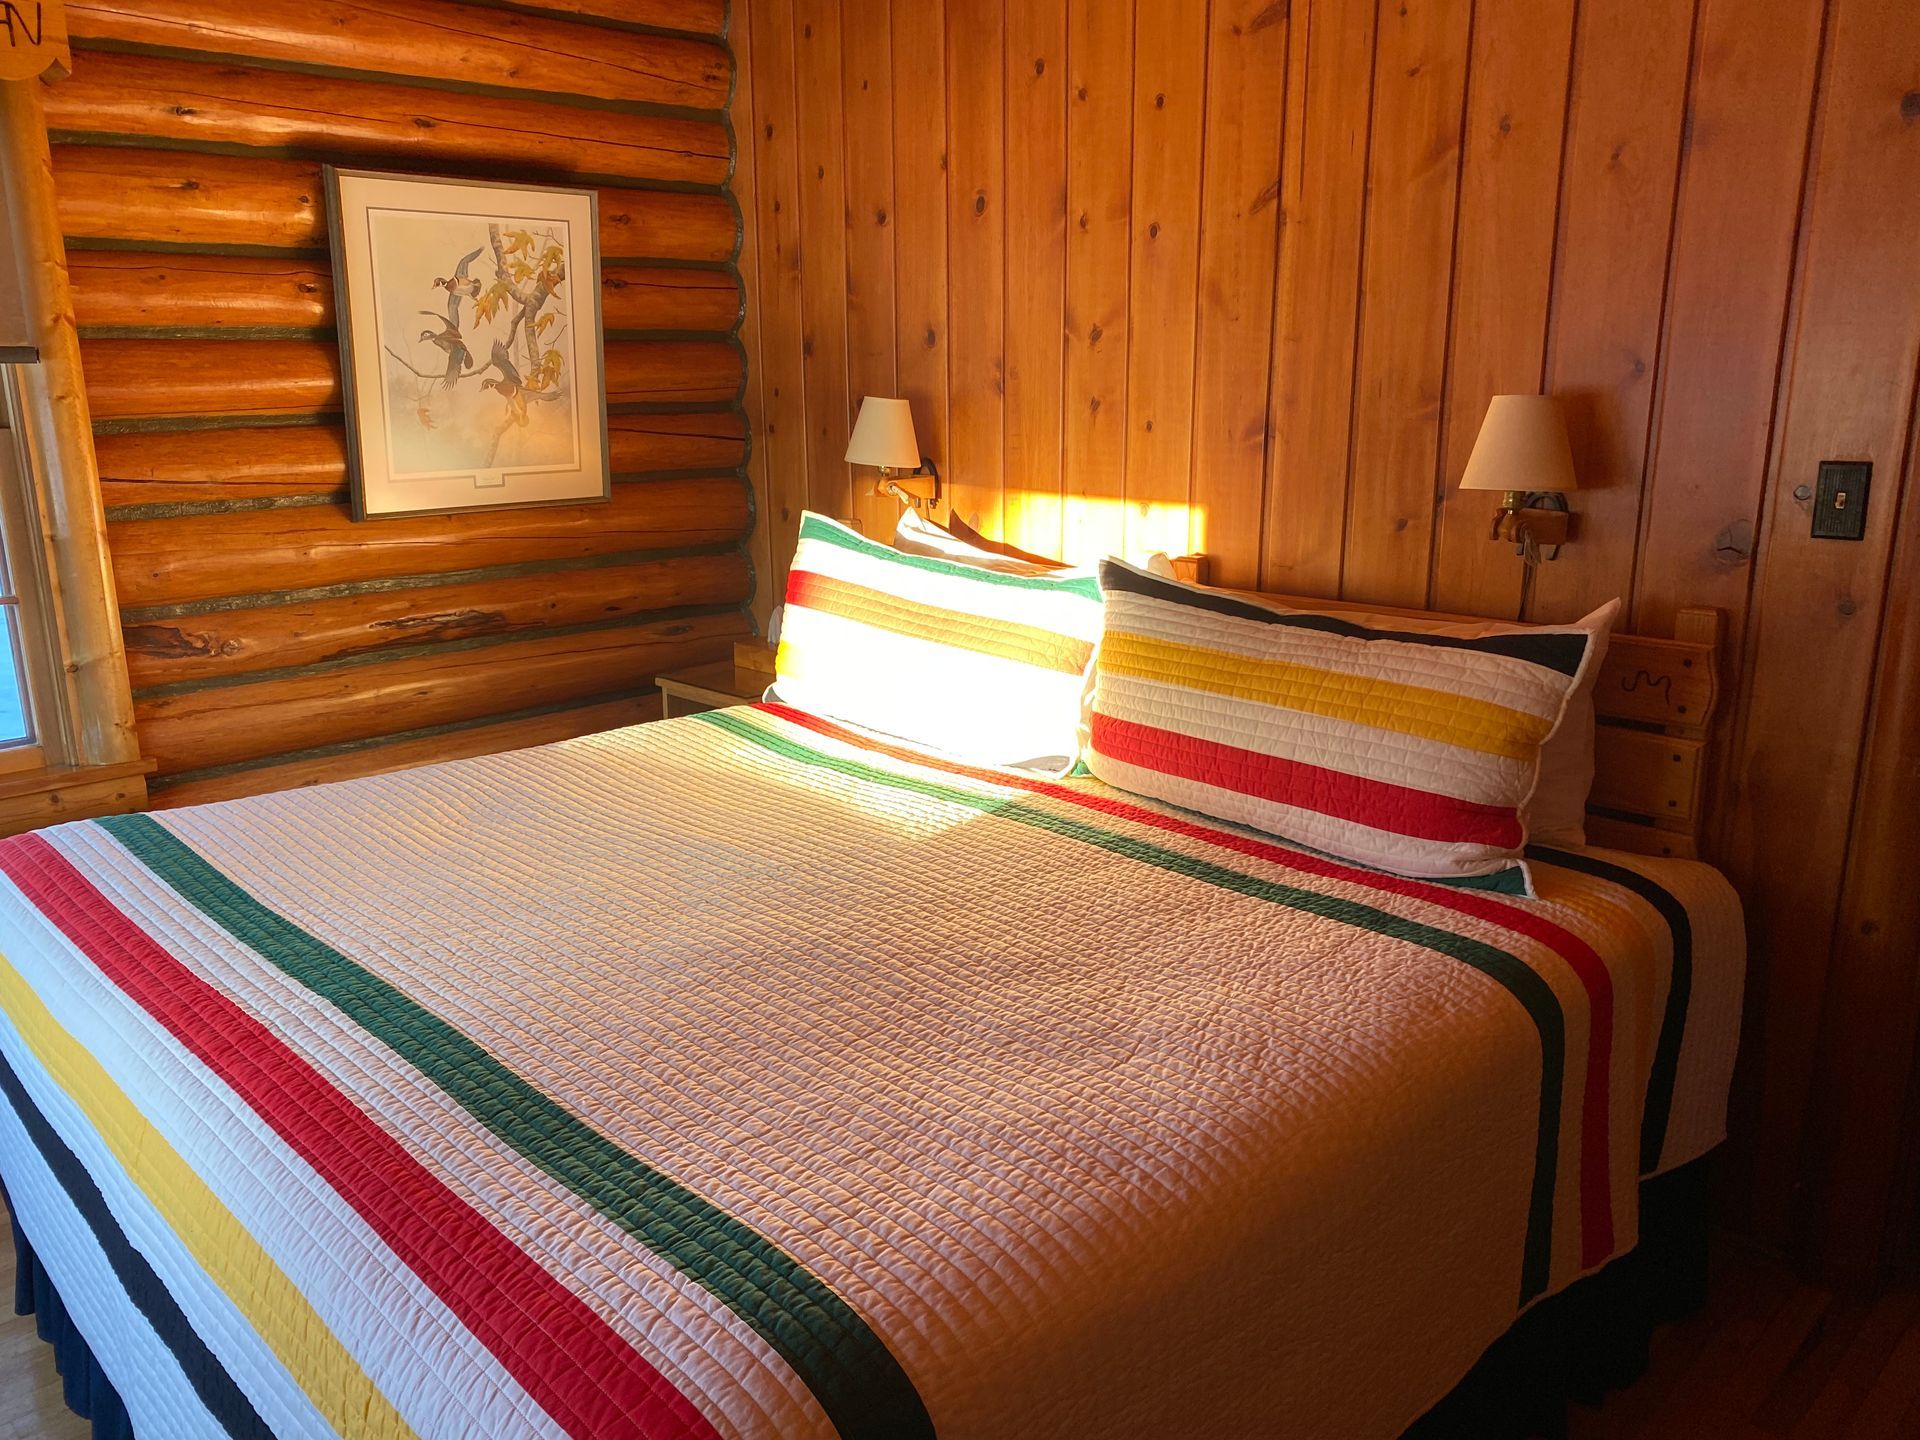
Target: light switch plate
x,y
1840,500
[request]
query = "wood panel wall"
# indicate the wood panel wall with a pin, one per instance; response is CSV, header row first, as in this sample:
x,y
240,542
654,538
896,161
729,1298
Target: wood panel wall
x,y
272,640
1240,276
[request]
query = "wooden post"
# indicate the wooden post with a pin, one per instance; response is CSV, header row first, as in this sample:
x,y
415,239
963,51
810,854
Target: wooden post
x,y
97,708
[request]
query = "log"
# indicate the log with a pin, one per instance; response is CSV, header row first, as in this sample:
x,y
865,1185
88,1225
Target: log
x,y
667,225
639,297
172,467
427,40
109,193
181,197
380,758
698,17
223,643
49,400
358,120
128,379
203,557
131,289
148,379
229,724
639,443
688,371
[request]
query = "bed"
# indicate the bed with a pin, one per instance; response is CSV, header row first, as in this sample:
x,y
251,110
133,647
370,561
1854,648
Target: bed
x,y
746,1075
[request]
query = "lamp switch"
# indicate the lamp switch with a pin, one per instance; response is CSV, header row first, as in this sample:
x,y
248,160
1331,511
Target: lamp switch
x,y
1840,500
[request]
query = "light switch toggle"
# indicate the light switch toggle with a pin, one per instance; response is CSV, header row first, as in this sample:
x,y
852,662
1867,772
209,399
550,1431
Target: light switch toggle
x,y
1840,500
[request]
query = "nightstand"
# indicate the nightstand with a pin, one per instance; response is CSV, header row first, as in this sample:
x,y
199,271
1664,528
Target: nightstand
x,y
739,681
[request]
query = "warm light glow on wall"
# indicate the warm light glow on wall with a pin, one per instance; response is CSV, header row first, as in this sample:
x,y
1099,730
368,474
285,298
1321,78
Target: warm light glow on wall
x,y
1083,529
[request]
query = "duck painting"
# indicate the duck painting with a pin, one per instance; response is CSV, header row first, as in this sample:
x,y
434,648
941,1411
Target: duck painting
x,y
460,285
480,305
451,342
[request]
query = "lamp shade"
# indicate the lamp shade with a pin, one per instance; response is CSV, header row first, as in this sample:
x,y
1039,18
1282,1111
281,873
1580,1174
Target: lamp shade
x,y
883,435
1522,446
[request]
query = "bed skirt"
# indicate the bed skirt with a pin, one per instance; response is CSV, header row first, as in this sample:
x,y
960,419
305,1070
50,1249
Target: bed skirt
x,y
1576,1346
1593,1337
89,1394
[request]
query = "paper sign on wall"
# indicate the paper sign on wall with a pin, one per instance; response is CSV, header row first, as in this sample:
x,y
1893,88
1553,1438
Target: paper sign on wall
x,y
33,39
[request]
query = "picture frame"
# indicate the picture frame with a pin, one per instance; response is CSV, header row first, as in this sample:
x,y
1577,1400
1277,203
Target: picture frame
x,y
471,350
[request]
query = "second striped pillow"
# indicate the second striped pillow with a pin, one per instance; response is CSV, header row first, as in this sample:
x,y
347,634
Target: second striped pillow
x,y
1405,751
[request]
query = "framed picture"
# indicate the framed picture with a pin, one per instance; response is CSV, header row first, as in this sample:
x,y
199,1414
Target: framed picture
x,y
469,316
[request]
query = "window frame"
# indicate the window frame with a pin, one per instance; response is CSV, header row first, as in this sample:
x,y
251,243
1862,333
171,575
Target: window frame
x,y
74,654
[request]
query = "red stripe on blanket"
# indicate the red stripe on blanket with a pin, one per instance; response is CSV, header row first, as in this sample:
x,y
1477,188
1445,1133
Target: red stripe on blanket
x,y
583,1374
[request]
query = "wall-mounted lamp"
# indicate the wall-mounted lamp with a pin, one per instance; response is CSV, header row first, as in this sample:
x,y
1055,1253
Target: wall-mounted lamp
x,y
883,437
1523,451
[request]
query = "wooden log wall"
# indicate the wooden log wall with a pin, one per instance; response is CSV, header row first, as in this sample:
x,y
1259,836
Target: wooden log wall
x,y
271,639
1240,277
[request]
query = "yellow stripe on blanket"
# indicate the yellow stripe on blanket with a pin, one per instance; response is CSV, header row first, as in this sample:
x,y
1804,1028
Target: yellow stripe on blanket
x,y
231,1257
1451,719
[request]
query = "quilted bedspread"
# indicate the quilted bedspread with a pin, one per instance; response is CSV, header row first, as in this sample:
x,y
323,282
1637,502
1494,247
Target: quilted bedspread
x,y
742,1076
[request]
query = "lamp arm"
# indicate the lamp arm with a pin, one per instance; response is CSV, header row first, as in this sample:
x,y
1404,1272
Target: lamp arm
x,y
1528,548
891,486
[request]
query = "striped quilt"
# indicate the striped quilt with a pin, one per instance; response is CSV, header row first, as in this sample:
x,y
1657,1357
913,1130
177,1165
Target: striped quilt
x,y
744,1076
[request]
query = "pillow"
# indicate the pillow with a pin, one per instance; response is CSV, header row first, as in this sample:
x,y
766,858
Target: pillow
x,y
1556,812
981,664
1406,751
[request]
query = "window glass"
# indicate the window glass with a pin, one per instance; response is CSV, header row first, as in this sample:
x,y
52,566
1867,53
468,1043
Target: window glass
x,y
23,670
16,723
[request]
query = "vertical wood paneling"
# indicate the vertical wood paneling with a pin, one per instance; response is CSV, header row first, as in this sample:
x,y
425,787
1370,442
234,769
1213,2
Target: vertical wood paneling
x,y
823,244
1239,233
1733,242
1036,216
1502,274
1323,185
1099,195
867,84
976,256
920,218
1623,151
782,439
1814,623
1420,73
1307,242
1169,111
1872,1017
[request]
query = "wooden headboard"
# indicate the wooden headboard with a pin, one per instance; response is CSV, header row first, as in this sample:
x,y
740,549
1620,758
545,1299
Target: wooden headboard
x,y
1654,705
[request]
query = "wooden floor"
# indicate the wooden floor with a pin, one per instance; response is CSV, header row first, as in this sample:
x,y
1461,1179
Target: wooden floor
x,y
1767,1357
1770,1356
30,1403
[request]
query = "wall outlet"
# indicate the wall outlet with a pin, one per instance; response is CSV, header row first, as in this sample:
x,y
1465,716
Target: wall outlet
x,y
1840,500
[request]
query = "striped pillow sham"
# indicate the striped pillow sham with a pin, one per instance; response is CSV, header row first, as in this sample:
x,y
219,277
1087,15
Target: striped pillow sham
x,y
1556,811
1406,751
984,665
